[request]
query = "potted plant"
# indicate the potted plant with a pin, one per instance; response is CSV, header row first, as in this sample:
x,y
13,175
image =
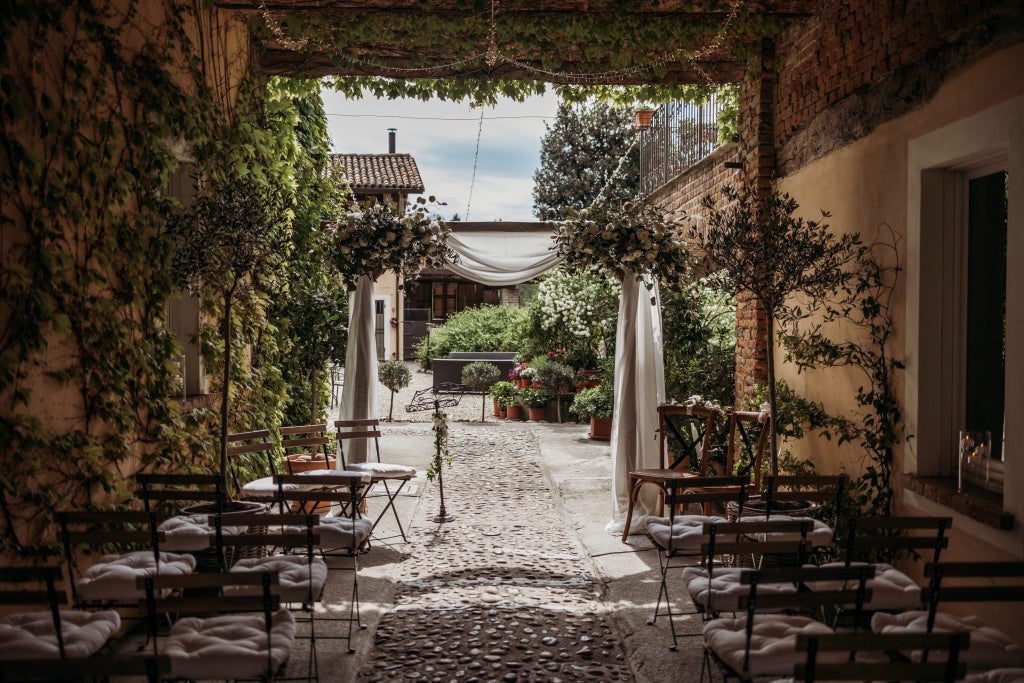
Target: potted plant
x,y
503,394
479,376
231,244
395,375
513,410
534,400
527,377
759,246
556,379
596,405
586,379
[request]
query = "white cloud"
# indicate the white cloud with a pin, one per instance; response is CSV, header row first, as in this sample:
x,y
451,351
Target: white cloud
x,y
444,149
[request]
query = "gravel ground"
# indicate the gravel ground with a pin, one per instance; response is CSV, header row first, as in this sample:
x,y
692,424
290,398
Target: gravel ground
x,y
468,409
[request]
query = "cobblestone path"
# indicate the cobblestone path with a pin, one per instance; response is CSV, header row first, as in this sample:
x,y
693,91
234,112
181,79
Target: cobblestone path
x,y
502,593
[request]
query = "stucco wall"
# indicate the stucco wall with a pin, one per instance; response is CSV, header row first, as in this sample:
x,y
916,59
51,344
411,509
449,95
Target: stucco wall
x,y
864,185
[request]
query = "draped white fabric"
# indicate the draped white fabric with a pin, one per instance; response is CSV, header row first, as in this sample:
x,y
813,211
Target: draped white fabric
x,y
359,393
501,259
639,388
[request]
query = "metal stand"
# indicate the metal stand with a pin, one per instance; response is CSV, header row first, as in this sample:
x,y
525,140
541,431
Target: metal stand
x,y
444,395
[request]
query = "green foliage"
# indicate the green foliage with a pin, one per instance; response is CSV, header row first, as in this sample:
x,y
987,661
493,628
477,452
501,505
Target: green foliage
x,y
395,375
594,402
700,342
575,312
503,392
479,376
580,154
534,398
729,115
556,378
864,306
765,249
481,328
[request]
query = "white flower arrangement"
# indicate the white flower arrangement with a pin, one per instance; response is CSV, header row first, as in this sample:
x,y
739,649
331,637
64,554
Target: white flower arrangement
x,y
441,452
377,239
634,239
567,303
698,400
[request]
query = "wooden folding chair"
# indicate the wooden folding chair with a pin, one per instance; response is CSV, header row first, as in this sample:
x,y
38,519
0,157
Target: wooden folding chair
x,y
881,669
683,535
387,474
973,582
693,458
164,493
252,465
212,635
807,490
748,439
53,633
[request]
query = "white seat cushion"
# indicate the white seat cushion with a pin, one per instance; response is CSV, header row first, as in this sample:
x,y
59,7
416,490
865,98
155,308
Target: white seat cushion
x,y
725,589
31,635
363,477
190,532
989,648
891,589
299,580
772,644
231,646
340,532
819,533
687,531
263,489
383,470
997,676
115,576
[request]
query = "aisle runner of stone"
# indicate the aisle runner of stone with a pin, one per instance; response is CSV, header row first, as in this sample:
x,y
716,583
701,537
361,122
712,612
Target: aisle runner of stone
x,y
502,592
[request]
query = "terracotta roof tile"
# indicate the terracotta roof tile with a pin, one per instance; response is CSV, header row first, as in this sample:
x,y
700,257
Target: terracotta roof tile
x,y
380,172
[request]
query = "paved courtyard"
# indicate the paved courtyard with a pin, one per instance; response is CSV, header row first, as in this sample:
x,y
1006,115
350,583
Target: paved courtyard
x,y
523,584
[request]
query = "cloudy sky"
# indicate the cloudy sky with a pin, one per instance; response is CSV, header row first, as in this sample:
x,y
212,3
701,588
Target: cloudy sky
x,y
441,136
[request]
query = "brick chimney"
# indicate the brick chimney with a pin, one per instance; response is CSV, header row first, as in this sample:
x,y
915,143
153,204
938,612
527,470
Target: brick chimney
x,y
391,140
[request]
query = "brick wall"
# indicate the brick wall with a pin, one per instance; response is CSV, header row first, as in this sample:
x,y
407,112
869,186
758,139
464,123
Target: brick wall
x,y
859,63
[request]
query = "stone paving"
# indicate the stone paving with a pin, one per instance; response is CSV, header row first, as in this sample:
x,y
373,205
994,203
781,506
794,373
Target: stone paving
x,y
503,592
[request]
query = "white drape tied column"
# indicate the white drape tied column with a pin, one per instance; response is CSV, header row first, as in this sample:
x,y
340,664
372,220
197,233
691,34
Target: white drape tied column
x,y
359,393
639,388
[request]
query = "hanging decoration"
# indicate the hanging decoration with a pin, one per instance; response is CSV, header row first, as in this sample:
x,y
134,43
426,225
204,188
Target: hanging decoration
x,y
377,239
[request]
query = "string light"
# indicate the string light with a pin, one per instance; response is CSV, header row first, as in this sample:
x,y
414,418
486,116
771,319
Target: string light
x,y
494,55
599,199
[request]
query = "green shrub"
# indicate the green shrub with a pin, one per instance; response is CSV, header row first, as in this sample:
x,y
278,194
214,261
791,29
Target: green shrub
x,y
534,398
594,402
395,375
483,328
479,376
503,392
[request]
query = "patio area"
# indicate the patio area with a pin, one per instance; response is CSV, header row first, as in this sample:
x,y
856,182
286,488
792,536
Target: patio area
x,y
524,584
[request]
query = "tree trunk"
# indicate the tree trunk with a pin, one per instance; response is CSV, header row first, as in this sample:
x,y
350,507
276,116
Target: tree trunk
x,y
774,414
391,408
313,394
483,407
225,387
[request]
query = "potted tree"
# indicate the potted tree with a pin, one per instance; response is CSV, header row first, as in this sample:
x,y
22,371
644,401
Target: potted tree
x,y
479,376
595,405
760,247
534,400
557,379
395,375
514,410
503,394
231,245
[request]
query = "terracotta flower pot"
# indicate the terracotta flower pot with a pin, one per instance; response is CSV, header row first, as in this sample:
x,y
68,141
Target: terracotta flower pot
x,y
600,428
515,412
536,414
497,408
302,462
503,412
536,385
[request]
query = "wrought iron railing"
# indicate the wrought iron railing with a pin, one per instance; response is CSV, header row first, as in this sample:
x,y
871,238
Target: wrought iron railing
x,y
680,135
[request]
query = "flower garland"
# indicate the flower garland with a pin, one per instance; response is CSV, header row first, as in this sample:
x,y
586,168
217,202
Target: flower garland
x,y
377,240
633,239
441,452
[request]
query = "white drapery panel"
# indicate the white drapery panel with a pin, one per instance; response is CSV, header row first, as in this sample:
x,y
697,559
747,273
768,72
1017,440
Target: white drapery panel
x,y
359,393
639,388
500,257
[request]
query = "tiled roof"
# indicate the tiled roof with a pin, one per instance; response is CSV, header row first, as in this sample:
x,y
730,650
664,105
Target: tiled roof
x,y
369,173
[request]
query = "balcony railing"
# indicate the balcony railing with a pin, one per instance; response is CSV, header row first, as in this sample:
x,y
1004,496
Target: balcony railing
x,y
681,134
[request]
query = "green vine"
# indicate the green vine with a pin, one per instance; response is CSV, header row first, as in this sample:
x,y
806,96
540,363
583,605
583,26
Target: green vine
x,y
441,453
865,306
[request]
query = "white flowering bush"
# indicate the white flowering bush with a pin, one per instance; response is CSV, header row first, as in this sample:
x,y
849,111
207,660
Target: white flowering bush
x,y
377,239
576,306
630,239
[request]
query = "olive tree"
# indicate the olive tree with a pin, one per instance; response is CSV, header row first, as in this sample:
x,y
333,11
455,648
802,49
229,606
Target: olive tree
x,y
395,375
479,376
